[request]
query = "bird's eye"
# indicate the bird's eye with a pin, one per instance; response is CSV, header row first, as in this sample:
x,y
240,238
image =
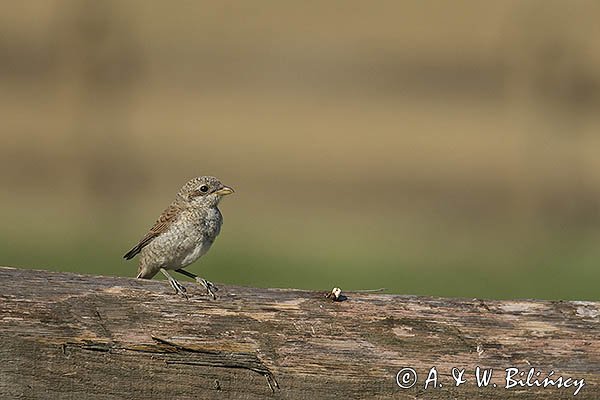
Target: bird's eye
x,y
204,188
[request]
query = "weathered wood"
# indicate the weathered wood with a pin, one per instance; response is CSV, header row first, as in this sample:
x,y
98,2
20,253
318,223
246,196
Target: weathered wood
x,y
67,336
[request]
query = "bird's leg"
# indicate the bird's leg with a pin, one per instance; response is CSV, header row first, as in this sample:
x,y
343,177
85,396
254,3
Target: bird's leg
x,y
208,285
179,289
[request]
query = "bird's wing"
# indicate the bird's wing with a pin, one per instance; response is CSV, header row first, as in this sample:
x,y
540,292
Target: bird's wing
x,y
160,226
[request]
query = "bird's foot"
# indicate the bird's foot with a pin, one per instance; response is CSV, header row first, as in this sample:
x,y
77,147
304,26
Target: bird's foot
x,y
179,288
208,285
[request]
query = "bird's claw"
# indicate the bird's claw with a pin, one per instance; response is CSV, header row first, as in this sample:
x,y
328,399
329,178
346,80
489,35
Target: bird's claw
x,y
179,288
208,285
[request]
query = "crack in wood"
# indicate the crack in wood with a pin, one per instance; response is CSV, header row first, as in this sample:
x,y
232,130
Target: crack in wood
x,y
88,345
219,359
212,358
101,323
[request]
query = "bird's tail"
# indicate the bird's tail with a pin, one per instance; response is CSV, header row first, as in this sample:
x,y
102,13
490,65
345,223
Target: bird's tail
x,y
146,273
132,253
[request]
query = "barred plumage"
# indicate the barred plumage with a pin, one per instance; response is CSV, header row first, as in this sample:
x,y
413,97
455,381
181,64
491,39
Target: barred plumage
x,y
183,232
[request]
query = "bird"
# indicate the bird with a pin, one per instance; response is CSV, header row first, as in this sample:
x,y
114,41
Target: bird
x,y
183,233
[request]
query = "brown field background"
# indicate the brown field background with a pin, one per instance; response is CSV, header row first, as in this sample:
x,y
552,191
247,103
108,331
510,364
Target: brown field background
x,y
435,148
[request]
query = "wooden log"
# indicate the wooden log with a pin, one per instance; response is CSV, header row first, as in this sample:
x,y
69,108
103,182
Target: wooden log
x,y
68,336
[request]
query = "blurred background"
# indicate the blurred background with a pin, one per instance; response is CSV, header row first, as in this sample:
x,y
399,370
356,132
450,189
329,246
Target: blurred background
x,y
431,148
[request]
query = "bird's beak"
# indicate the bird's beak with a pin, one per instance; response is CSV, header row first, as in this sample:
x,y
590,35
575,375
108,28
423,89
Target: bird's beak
x,y
225,190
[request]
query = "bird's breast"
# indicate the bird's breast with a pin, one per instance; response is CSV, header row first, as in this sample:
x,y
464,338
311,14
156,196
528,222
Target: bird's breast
x,y
201,235
186,240
198,251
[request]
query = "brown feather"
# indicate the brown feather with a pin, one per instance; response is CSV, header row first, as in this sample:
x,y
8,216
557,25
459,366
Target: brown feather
x,y
161,225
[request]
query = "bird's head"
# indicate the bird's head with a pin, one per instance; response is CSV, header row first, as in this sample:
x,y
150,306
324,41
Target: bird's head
x,y
203,191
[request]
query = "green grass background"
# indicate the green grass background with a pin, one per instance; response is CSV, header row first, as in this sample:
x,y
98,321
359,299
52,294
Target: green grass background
x,y
448,263
431,148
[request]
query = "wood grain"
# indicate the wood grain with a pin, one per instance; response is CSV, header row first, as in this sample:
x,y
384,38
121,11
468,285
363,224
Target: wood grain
x,y
68,336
